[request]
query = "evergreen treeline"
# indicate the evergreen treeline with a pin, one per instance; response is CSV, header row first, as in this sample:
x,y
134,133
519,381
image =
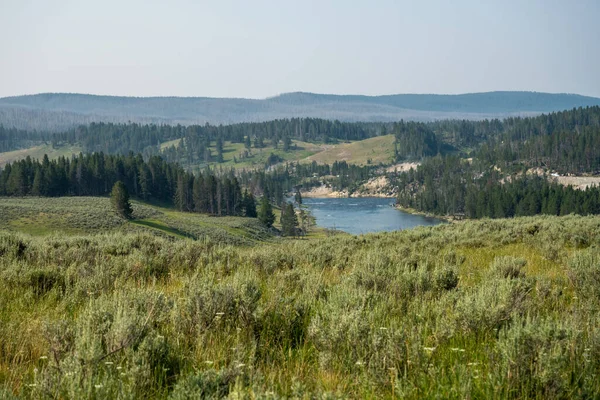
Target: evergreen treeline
x,y
564,141
465,134
196,139
414,141
113,138
452,186
567,142
95,174
14,139
209,192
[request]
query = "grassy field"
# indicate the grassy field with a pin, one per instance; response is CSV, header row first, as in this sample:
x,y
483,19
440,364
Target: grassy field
x,y
170,143
84,215
38,152
476,309
374,150
256,158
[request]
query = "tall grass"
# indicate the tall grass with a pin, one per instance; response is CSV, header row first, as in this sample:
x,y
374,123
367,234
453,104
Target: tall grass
x,y
486,309
83,215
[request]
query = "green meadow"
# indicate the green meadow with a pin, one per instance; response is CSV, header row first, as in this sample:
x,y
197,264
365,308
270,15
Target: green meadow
x,y
180,306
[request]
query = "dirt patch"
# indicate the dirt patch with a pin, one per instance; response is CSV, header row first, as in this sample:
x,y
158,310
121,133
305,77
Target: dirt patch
x,y
578,182
375,187
323,191
403,167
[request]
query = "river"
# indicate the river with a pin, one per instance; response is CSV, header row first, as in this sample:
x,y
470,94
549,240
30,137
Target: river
x,y
363,215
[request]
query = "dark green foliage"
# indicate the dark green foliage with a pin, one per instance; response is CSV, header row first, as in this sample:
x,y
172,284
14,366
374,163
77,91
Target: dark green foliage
x,y
567,142
95,174
452,186
195,139
265,212
14,139
289,220
446,279
414,140
298,197
273,159
209,384
119,198
287,143
220,149
249,205
42,281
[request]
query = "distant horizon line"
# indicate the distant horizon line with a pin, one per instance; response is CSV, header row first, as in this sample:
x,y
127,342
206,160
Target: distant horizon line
x,y
296,93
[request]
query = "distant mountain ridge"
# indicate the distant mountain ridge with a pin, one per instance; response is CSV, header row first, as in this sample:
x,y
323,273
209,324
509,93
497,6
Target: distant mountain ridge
x,y
59,111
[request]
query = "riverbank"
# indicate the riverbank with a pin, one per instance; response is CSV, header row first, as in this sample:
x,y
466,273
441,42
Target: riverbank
x,y
374,187
408,210
328,193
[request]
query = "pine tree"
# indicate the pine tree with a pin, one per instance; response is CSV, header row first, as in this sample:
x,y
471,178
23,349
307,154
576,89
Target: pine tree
x,y
265,212
289,220
219,149
144,183
249,205
181,194
287,143
198,194
38,186
119,198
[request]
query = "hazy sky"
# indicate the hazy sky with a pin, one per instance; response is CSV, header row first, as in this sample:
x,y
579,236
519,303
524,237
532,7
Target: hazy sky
x,y
256,49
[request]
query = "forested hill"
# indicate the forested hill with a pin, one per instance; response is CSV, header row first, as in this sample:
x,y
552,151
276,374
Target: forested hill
x,y
59,111
475,103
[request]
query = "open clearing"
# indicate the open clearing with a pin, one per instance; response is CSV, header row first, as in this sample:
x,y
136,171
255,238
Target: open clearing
x,y
374,151
38,152
579,182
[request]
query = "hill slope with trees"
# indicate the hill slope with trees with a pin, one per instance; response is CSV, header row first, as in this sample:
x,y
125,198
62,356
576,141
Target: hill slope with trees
x,y
60,111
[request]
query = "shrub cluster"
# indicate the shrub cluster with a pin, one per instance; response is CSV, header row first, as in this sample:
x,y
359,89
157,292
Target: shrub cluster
x,y
487,309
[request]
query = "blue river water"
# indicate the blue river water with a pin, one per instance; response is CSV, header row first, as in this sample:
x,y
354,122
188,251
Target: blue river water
x,y
363,215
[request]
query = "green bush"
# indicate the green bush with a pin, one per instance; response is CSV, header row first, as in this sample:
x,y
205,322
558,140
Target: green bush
x,y
425,313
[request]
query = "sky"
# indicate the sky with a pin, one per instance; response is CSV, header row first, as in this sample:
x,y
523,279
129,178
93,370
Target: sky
x,y
260,48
